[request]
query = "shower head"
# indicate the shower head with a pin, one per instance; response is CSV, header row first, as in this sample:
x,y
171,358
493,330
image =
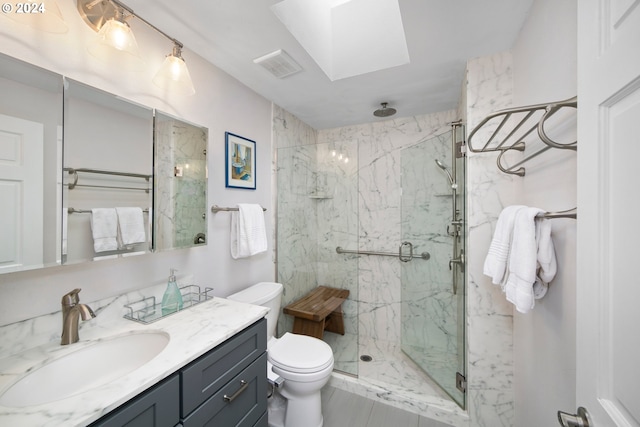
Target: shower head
x,y
446,169
384,111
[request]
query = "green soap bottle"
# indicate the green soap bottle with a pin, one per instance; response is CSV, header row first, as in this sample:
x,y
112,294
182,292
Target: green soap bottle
x,y
172,298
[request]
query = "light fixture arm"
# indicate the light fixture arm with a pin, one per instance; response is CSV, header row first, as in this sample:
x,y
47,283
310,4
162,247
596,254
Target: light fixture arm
x,y
132,13
95,20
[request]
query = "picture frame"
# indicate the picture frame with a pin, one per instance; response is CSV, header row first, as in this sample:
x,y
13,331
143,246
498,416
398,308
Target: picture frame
x,y
240,164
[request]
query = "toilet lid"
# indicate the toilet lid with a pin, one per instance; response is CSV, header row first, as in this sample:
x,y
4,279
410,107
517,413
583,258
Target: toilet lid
x,y
300,353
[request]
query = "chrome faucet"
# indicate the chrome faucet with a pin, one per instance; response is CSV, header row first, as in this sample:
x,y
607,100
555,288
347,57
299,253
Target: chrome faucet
x,y
71,312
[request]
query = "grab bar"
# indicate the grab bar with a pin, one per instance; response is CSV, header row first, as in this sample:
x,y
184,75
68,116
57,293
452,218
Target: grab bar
x,y
216,209
404,258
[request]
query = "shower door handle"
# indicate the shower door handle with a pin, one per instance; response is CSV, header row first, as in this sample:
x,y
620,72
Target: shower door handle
x,y
402,257
459,261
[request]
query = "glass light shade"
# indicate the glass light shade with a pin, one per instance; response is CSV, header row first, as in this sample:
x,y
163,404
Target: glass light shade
x,y
118,35
174,74
116,44
41,15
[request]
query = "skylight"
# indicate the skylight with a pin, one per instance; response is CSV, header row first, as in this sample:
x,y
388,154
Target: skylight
x,y
347,37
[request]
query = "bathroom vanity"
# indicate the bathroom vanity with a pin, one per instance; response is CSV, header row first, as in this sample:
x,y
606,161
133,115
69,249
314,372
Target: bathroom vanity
x,y
211,372
224,387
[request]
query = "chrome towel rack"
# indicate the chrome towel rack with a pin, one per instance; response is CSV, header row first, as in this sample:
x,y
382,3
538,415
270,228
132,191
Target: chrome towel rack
x,y
516,124
74,210
74,172
512,120
404,258
216,209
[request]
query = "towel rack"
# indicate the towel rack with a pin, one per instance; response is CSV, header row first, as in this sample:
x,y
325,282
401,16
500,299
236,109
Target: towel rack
x,y
74,210
74,184
512,122
216,209
569,213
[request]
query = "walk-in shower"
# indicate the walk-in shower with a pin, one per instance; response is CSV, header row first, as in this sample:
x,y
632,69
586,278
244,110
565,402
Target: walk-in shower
x,y
404,318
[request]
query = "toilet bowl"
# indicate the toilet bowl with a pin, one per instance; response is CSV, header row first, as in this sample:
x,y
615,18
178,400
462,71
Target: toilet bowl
x,y
300,365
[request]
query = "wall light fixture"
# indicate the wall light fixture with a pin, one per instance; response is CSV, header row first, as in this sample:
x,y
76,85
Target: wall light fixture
x,y
115,38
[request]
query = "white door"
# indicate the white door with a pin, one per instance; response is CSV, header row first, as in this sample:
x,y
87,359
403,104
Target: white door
x,y
608,279
21,192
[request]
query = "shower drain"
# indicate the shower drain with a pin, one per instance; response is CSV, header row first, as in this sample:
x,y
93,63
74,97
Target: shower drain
x,y
366,358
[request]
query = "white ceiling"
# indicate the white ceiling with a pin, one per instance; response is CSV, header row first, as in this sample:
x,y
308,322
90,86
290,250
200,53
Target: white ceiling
x,y
441,36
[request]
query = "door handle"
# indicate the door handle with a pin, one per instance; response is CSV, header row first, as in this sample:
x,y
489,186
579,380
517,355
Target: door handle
x,y
581,419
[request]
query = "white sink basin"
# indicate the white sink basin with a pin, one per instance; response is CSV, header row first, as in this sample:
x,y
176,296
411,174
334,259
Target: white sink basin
x,y
87,368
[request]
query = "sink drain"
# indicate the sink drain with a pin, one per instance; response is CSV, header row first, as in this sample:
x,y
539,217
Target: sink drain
x,y
366,358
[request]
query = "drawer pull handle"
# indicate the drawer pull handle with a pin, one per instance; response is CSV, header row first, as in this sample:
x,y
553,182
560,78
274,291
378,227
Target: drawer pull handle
x,y
243,387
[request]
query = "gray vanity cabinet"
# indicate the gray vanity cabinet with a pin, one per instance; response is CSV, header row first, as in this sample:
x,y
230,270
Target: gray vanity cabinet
x,y
228,386
156,407
225,387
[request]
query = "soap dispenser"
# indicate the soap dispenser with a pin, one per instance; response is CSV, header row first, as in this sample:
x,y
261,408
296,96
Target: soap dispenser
x,y
172,299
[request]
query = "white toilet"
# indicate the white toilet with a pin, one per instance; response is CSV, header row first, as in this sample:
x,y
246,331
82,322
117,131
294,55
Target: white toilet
x,y
304,363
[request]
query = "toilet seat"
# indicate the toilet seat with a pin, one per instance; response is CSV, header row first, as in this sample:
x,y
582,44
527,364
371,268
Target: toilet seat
x,y
300,354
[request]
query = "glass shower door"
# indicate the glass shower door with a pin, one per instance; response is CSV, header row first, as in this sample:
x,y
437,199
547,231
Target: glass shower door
x,y
432,292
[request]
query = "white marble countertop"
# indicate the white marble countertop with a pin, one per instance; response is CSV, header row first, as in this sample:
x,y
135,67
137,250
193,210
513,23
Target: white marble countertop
x,y
192,332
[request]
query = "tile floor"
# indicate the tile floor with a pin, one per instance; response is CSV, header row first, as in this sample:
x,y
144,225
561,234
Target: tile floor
x,y
344,409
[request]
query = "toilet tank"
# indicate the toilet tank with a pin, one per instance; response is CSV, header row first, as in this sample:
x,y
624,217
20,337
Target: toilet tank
x,y
266,294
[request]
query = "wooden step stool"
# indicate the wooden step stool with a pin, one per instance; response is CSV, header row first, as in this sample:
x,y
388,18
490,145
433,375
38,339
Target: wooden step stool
x,y
319,311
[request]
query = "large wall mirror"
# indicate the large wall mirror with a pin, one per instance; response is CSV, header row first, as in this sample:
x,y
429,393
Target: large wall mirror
x,y
30,166
108,175
60,184
181,183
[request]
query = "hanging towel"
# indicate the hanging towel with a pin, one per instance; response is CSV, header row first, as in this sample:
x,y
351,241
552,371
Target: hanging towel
x,y
130,226
248,231
495,264
104,227
546,252
523,260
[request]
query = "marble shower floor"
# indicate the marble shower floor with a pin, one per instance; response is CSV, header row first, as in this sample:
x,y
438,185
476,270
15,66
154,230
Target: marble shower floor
x,y
393,378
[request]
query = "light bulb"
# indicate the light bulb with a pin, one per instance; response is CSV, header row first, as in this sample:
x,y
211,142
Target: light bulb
x,y
174,74
115,42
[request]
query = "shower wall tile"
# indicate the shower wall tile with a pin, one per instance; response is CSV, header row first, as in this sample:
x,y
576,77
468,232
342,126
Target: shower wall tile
x,y
489,316
379,212
290,131
297,223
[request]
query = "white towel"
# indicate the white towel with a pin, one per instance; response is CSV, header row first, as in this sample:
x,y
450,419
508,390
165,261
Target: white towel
x,y
495,264
523,260
104,227
131,226
248,231
546,251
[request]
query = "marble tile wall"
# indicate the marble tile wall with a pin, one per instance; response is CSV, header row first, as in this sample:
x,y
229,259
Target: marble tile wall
x,y
380,145
295,216
489,317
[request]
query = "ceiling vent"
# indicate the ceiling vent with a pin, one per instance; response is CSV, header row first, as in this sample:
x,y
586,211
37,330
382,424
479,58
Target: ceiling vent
x,y
278,63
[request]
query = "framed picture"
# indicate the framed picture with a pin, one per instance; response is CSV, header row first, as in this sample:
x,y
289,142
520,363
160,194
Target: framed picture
x,y
241,162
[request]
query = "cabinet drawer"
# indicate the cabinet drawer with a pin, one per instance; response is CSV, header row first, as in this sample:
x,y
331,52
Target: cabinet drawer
x,y
248,405
206,376
158,407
